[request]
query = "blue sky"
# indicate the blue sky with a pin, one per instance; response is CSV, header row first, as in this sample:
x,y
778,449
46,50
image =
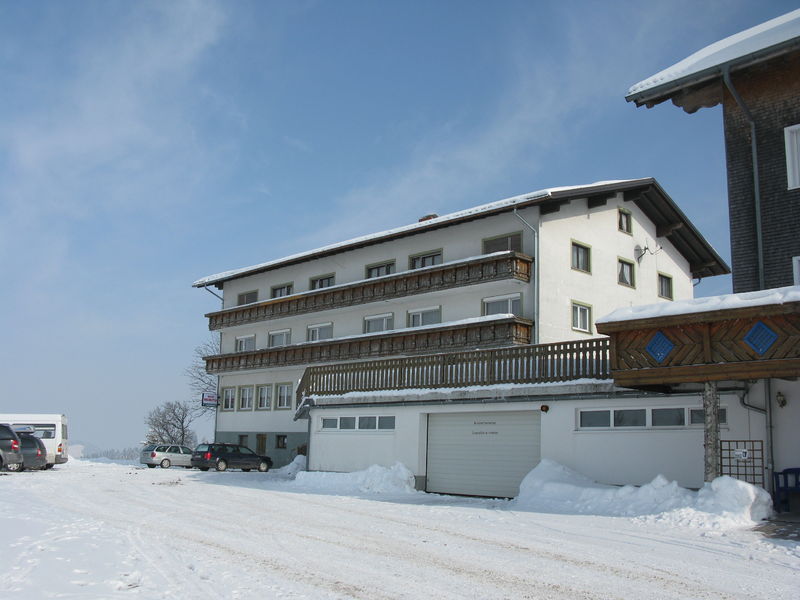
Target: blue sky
x,y
144,145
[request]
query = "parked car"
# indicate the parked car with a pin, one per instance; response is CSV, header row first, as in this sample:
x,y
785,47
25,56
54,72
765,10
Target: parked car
x,y
228,456
10,450
166,455
34,452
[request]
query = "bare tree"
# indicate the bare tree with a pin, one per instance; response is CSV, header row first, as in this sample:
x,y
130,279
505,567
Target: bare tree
x,y
171,423
201,380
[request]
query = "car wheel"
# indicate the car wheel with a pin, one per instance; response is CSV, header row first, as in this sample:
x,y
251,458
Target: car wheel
x,y
221,465
165,464
15,467
203,468
246,470
149,466
49,465
263,467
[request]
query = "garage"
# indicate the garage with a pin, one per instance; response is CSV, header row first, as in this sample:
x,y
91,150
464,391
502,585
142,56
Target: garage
x,y
481,453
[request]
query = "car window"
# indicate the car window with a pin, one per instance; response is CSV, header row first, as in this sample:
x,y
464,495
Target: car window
x,y
28,441
185,450
6,433
148,448
161,448
244,450
232,449
202,448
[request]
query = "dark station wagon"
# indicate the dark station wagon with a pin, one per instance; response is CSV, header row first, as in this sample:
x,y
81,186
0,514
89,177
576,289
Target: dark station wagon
x,y
228,456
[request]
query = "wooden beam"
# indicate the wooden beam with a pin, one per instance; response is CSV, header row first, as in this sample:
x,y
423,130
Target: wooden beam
x,y
667,229
756,369
552,207
599,200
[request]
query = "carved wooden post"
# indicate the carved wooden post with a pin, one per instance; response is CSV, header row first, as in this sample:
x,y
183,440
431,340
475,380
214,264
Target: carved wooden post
x,y
711,410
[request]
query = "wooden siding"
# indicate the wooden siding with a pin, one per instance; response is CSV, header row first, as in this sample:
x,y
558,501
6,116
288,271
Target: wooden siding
x,y
500,332
483,269
706,346
543,363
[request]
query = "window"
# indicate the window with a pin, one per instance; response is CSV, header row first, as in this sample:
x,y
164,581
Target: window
x,y
246,398
796,269
581,317
247,298
501,305
316,333
347,422
284,395
424,316
380,269
279,291
697,416
330,423
385,423
261,443
792,136
581,258
282,337
625,273
595,418
668,417
280,442
665,286
624,221
228,398
245,343
378,323
264,397
635,417
367,422
511,241
322,281
427,259
243,439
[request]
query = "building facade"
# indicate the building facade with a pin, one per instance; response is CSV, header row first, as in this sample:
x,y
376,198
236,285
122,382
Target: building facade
x,y
755,76
531,269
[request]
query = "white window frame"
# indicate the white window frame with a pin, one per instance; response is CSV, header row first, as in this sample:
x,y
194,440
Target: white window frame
x,y
388,319
243,295
267,387
314,284
509,298
426,259
245,397
792,141
312,332
287,338
388,266
228,398
242,343
335,422
796,269
283,401
510,238
282,290
419,314
687,418
579,308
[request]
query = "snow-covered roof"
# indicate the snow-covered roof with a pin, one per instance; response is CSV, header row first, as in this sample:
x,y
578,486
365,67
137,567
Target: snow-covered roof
x,y
700,305
752,45
508,204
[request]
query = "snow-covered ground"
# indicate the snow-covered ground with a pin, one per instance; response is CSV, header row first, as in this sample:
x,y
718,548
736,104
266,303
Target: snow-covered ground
x,y
107,530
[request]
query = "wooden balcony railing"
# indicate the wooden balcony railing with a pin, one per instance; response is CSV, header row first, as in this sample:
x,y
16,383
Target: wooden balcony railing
x,y
481,269
478,333
544,363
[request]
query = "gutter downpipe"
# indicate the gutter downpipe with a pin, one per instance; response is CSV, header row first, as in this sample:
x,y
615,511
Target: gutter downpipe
x,y
535,285
216,412
726,77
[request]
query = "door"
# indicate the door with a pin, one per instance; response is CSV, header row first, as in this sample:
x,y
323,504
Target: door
x,y
482,453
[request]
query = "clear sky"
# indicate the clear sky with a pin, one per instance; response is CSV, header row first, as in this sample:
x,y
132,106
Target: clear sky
x,y
144,145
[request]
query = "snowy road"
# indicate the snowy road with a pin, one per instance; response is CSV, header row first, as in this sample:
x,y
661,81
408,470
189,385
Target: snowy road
x,y
94,530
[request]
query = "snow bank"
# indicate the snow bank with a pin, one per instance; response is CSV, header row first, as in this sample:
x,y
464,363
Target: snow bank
x,y
374,480
723,504
293,468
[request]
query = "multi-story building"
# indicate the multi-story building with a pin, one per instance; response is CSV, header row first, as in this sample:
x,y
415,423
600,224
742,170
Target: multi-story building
x,y
755,76
534,268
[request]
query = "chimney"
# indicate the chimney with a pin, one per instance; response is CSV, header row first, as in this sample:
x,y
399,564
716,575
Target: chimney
x,y
428,217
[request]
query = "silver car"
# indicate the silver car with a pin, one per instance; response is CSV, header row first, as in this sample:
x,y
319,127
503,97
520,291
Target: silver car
x,y
166,455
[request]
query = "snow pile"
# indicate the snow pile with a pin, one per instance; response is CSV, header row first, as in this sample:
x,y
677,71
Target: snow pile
x,y
293,468
723,504
374,480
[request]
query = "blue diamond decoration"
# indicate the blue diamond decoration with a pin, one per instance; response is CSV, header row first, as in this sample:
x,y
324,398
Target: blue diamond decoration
x,y
659,347
760,338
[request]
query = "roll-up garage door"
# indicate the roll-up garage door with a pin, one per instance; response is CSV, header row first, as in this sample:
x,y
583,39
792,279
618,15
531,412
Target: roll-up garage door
x,y
481,454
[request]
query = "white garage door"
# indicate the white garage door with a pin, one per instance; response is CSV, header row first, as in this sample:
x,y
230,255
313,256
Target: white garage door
x,y
481,454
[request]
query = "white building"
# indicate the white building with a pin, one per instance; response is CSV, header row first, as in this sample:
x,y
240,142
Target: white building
x,y
535,268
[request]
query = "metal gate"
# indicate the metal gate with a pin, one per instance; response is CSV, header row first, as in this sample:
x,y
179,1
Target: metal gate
x,y
743,459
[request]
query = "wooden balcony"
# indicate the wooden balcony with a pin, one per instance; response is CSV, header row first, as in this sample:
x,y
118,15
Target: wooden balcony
x,y
749,342
544,363
477,333
482,269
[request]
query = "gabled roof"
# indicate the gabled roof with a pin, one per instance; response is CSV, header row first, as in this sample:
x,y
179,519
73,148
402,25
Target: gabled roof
x,y
646,193
755,45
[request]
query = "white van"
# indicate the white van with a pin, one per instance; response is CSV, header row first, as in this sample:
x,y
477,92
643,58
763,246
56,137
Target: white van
x,y
51,429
